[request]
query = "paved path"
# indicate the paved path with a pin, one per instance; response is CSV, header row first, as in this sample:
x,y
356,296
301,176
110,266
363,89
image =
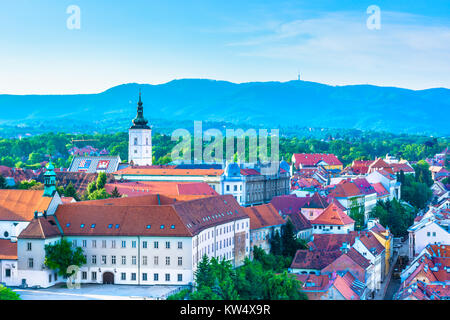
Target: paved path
x,y
97,292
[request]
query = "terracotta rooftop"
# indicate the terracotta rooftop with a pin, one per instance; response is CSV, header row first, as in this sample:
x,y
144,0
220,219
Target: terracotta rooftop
x,y
288,204
8,250
312,159
345,189
316,260
262,216
332,242
168,188
299,221
41,228
20,205
150,215
333,215
168,172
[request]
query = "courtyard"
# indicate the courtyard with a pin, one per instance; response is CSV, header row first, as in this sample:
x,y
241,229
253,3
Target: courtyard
x,y
98,292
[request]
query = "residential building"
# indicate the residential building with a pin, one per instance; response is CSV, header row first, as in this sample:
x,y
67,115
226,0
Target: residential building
x,y
264,222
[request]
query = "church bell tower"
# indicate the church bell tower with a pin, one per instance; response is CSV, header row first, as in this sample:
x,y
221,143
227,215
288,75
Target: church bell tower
x,y
140,139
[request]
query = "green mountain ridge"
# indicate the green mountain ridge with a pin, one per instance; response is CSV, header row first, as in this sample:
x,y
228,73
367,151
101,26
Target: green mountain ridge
x,y
270,104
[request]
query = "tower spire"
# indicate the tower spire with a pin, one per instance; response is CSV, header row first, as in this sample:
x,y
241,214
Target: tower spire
x,y
140,122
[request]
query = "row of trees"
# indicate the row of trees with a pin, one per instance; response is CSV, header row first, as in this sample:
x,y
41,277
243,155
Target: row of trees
x,y
217,280
29,152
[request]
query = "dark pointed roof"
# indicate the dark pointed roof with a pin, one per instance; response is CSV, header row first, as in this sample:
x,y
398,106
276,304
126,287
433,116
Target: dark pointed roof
x,y
140,122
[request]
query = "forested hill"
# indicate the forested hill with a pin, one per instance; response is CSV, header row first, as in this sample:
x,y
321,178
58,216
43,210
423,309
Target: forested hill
x,y
270,104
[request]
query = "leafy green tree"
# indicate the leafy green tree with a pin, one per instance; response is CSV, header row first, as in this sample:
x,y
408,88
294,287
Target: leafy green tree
x,y
99,194
61,255
101,180
7,294
289,242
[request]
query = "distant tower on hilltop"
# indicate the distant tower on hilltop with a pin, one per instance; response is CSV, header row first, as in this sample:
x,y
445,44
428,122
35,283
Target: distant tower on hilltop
x,y
298,75
140,139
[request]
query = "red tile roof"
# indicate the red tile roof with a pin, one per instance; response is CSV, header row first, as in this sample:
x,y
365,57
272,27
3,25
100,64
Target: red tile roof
x,y
371,242
312,159
144,216
316,260
333,215
168,172
331,242
397,167
263,216
380,189
20,205
288,204
345,189
168,188
345,289
41,228
8,250
299,221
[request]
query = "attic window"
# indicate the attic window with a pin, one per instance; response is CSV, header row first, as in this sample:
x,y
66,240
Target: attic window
x,y
52,222
93,225
172,226
82,225
162,226
109,226
149,226
68,225
117,226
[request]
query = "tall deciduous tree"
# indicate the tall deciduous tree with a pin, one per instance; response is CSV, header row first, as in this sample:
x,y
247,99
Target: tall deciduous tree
x,y
61,255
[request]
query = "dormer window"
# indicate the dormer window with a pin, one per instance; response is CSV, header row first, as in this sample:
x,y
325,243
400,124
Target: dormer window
x,y
82,225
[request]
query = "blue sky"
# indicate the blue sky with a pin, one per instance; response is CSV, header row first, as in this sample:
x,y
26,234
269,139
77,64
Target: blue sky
x,y
154,42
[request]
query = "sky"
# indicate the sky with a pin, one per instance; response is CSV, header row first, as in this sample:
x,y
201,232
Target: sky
x,y
154,42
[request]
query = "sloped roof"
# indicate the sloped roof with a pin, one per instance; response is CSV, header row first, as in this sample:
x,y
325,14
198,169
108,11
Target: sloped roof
x,y
288,204
358,258
331,242
316,201
333,215
364,186
262,216
371,243
41,228
345,189
150,215
397,167
380,189
20,205
168,171
8,250
344,286
299,221
170,188
316,260
312,159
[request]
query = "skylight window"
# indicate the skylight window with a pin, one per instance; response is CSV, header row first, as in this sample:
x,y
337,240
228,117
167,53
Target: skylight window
x,y
149,226
68,225
162,226
82,225
117,226
93,225
172,226
109,226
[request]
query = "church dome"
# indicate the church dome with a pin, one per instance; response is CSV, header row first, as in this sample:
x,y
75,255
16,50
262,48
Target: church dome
x,y
232,170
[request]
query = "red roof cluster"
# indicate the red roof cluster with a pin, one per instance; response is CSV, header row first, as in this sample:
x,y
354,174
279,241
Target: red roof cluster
x,y
313,159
